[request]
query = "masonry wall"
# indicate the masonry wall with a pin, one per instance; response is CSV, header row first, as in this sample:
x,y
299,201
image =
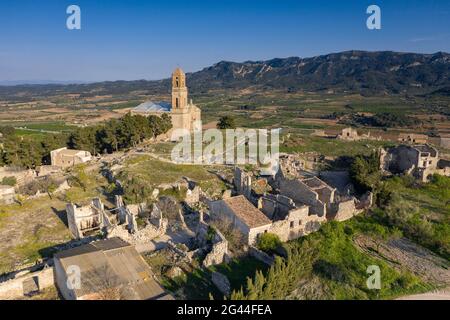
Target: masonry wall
x,y
255,232
13,289
219,210
298,191
343,210
61,281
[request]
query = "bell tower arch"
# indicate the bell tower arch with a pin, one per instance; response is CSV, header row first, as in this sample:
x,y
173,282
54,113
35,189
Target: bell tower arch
x,y
179,90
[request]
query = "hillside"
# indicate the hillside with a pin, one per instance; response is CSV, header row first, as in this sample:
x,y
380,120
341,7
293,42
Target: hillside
x,y
368,73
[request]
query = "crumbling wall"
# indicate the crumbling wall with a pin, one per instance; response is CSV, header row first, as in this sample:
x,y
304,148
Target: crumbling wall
x,y
7,195
298,191
192,195
144,235
261,255
365,202
349,134
22,177
275,206
400,159
343,210
219,251
19,287
82,219
281,229
243,183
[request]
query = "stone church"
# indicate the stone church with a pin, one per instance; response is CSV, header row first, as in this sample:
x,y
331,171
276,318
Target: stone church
x,y
184,114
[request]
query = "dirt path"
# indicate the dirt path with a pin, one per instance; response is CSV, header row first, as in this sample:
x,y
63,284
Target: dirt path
x,y
433,295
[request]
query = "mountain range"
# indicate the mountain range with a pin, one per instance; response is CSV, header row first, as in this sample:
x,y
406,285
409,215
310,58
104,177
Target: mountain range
x,y
383,72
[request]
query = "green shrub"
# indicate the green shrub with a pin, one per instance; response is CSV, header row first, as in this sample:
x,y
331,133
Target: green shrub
x,y
9,181
268,242
226,122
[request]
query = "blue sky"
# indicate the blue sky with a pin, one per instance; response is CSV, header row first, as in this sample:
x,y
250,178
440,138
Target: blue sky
x,y
138,39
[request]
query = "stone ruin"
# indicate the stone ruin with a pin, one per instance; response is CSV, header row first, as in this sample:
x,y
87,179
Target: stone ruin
x,y
212,242
151,222
419,161
298,204
243,183
122,221
85,220
351,134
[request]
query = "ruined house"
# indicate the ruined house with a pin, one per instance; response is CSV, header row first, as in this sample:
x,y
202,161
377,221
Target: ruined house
x,y
108,270
413,138
65,158
289,220
420,161
132,223
312,192
351,134
86,219
137,223
243,216
348,134
296,205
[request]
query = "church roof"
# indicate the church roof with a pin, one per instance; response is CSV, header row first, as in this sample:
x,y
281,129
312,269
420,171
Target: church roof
x,y
150,106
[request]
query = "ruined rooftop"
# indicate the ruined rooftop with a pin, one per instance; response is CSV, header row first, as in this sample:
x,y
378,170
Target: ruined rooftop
x,y
426,148
247,212
115,261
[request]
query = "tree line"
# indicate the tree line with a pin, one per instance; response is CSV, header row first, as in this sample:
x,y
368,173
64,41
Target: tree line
x,y
107,137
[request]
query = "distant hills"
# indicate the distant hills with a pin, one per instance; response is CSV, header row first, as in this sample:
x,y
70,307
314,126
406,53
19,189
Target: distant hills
x,y
40,82
364,72
359,71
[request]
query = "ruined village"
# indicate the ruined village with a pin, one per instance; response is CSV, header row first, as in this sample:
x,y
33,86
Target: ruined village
x,y
202,217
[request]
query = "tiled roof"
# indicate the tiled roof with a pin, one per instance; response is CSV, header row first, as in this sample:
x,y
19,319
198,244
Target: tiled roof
x,y
247,212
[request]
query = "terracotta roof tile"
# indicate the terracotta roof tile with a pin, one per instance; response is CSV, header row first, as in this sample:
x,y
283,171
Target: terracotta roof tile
x,y
247,212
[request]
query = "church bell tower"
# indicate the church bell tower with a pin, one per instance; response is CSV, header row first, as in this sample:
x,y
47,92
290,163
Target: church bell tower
x,y
179,90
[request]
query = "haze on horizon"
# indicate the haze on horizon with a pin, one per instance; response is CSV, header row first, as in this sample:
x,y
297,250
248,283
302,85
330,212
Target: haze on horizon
x,y
130,40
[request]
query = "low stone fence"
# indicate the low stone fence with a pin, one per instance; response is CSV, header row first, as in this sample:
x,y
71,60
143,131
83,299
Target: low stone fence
x,y
261,256
27,284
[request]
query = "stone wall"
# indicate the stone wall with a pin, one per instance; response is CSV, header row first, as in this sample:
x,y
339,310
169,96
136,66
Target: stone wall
x,y
7,194
219,251
22,176
243,183
26,284
261,256
81,219
343,210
